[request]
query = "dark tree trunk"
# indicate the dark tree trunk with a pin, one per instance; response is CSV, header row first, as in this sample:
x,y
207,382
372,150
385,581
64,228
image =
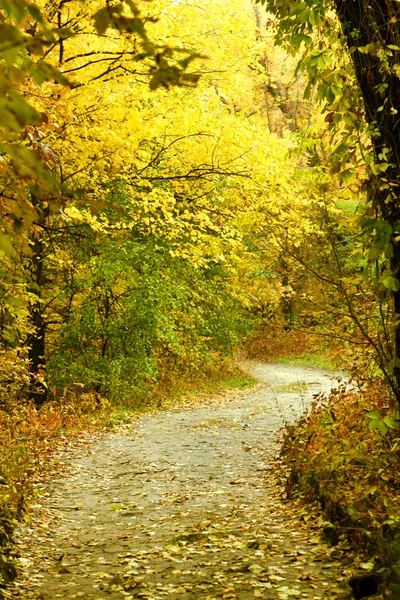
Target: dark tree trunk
x,y
396,301
36,340
378,22
287,299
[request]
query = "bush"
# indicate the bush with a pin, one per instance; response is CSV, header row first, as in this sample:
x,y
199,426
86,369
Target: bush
x,y
345,453
14,376
28,439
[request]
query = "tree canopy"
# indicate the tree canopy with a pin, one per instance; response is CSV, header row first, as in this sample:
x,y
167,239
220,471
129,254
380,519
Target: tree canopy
x,y
176,175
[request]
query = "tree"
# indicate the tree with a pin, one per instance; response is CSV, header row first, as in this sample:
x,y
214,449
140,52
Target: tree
x,y
43,56
170,207
134,252
373,35
351,53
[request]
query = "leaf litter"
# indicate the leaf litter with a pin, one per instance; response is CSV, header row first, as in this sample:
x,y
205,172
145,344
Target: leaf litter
x,y
183,504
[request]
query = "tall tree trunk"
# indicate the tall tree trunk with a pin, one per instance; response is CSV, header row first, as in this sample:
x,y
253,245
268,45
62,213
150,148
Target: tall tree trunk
x,y
378,22
36,340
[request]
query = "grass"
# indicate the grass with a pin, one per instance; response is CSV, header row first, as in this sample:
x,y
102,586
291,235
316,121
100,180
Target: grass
x,y
119,415
240,381
192,387
185,390
296,348
244,381
320,360
295,387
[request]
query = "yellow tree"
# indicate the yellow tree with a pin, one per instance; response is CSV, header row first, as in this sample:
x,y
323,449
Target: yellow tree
x,y
202,177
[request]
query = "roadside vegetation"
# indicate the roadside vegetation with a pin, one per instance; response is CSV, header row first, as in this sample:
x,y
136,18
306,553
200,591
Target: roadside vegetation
x,y
344,454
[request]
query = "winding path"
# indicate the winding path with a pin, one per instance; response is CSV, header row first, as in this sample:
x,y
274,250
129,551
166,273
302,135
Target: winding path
x,y
184,504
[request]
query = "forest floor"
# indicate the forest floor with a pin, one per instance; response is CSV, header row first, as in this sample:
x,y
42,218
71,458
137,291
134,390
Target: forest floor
x,y
184,503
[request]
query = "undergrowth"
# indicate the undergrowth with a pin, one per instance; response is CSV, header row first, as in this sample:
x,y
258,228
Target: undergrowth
x,y
289,347
29,439
214,377
345,453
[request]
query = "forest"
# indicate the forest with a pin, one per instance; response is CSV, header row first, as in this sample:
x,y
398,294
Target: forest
x,y
187,184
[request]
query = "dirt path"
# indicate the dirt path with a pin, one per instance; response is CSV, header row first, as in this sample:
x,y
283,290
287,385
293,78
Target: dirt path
x,y
183,504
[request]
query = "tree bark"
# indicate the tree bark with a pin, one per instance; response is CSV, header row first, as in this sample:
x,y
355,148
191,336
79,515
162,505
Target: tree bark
x,y
377,22
36,340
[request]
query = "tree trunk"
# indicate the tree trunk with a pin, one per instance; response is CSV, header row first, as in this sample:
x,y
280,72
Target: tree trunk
x,y
377,22
396,302
36,340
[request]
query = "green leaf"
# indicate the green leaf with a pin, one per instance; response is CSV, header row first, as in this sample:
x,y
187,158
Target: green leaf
x,y
35,13
14,9
16,112
379,168
383,234
133,25
368,223
352,512
307,92
374,253
303,17
383,428
314,18
35,45
374,425
300,38
373,414
46,72
6,244
391,283
389,251
346,176
11,43
27,164
64,32
102,20
368,566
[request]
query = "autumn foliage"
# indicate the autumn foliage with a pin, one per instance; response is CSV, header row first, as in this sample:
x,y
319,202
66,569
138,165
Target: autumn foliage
x,y
172,184
344,455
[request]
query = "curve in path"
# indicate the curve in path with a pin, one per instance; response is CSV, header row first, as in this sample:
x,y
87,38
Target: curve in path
x,y
184,504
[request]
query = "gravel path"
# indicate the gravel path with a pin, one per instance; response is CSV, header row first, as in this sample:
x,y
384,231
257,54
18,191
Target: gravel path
x,y
184,504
